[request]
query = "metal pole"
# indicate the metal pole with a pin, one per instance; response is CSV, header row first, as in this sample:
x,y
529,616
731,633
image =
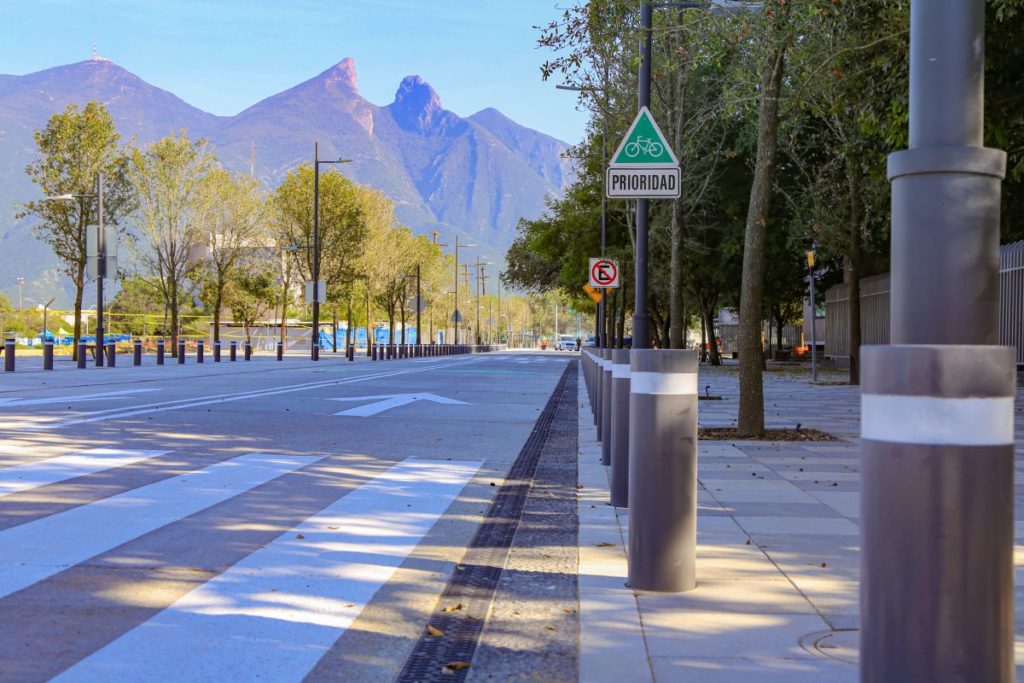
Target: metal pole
x,y
620,429
478,267
101,270
456,314
641,319
315,333
937,406
419,308
599,339
814,329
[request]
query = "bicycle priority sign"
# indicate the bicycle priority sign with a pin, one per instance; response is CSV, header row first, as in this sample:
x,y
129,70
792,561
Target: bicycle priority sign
x,y
643,166
604,273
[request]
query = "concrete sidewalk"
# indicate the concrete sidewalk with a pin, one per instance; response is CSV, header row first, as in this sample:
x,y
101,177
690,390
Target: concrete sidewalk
x,y
778,553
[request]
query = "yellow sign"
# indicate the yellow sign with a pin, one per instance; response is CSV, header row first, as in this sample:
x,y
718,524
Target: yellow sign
x,y
594,294
810,259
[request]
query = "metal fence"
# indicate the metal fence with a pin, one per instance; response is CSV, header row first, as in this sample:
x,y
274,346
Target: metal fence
x,y
874,312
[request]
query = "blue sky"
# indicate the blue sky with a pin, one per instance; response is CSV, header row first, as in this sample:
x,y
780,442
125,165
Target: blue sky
x,y
225,55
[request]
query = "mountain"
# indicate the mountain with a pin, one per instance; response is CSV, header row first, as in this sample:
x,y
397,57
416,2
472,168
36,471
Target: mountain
x,y
474,176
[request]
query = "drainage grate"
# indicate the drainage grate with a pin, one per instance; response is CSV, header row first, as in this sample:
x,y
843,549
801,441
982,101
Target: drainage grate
x,y
474,581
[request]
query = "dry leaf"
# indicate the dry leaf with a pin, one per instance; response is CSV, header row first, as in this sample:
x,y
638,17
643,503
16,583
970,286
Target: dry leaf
x,y
456,666
550,628
299,536
603,544
452,608
434,631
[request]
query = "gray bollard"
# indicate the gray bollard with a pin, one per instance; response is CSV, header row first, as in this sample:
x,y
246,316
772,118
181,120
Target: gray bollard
x,y
159,351
606,408
937,505
47,355
137,352
199,351
111,355
216,352
181,352
9,355
599,363
233,351
248,350
82,352
619,435
663,470
280,351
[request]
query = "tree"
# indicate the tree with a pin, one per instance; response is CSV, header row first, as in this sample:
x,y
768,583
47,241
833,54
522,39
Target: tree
x,y
136,300
250,291
234,222
75,147
172,211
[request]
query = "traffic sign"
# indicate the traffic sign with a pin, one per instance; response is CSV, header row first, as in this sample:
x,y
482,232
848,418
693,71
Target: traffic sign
x,y
321,291
604,273
644,165
644,144
595,294
419,304
456,317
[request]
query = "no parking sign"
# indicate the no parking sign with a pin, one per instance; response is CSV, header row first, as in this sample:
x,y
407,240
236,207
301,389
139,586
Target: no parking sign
x,y
604,272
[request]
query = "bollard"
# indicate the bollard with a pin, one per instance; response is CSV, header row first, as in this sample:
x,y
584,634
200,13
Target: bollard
x,y
619,435
663,470
9,355
233,351
606,407
216,352
937,517
111,355
351,352
248,350
159,351
199,351
599,368
137,352
81,355
181,352
280,351
48,355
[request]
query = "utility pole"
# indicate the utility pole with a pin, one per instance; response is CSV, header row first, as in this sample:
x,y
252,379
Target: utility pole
x,y
101,270
456,314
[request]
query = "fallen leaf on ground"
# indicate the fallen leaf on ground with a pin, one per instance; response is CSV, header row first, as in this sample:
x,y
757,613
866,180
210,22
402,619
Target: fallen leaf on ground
x,y
452,608
434,631
604,544
456,666
300,536
550,628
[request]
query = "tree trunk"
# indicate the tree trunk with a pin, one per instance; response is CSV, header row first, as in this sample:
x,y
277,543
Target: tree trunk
x,y
349,340
675,302
79,290
216,312
402,312
750,419
248,336
852,268
173,305
714,356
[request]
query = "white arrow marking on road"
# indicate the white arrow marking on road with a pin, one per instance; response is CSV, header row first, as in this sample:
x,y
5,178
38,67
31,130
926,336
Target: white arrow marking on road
x,y
389,401
15,402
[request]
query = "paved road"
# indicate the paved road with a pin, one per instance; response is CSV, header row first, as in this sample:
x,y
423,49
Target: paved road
x,y
248,520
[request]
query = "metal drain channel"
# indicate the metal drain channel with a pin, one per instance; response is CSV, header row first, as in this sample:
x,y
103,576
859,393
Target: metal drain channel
x,y
474,581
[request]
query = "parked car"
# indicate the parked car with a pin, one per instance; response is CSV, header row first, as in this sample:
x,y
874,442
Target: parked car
x,y
566,342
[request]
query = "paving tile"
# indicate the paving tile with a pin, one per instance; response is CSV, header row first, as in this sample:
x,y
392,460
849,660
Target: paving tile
x,y
829,526
763,669
704,634
612,645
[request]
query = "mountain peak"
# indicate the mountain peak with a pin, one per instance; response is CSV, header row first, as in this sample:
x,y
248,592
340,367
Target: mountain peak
x,y
416,105
343,73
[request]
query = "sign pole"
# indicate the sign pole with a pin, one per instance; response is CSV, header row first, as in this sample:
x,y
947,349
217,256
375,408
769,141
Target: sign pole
x,y
641,319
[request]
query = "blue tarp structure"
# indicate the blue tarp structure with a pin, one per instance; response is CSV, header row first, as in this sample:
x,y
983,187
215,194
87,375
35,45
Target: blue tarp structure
x,y
380,335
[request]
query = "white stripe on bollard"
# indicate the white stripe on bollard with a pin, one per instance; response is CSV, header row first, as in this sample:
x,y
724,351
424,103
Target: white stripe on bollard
x,y
937,421
663,383
620,371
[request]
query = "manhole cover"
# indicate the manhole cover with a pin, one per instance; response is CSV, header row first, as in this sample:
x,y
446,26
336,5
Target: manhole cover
x,y
842,646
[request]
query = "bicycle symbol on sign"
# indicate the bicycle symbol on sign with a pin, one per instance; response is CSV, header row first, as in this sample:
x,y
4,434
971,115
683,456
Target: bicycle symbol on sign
x,y
645,145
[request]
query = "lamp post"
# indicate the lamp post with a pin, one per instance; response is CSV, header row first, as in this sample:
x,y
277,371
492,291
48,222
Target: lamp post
x,y
315,332
456,315
101,258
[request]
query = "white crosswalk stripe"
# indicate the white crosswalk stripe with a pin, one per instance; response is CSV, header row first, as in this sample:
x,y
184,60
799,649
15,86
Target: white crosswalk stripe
x,y
54,470
34,551
275,613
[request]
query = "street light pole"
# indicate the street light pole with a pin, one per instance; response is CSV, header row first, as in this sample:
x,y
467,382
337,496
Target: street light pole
x,y
419,309
315,333
641,319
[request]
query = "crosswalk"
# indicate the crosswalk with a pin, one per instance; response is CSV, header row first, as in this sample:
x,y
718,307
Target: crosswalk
x,y
270,616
